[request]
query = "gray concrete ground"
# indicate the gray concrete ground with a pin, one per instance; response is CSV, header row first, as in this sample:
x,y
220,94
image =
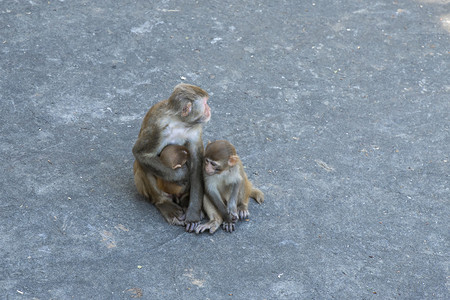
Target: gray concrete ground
x,y
339,110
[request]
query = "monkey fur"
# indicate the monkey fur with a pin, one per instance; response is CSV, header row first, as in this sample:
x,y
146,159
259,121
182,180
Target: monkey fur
x,y
175,121
227,188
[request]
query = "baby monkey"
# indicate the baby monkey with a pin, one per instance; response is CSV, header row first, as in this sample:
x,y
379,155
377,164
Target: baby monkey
x,y
227,188
175,156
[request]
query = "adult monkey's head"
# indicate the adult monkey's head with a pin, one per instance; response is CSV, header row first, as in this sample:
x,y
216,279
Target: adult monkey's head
x,y
189,103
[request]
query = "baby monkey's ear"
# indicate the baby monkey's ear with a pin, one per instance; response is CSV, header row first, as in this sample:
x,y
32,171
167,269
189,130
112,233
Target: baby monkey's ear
x,y
233,160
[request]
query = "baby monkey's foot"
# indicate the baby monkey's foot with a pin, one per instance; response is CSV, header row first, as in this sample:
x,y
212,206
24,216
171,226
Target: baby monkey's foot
x,y
229,226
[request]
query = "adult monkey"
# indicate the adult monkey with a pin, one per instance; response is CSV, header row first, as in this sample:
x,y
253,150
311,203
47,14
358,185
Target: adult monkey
x,y
177,121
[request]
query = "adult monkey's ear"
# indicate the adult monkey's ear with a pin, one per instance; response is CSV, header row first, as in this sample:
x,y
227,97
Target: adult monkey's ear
x,y
186,109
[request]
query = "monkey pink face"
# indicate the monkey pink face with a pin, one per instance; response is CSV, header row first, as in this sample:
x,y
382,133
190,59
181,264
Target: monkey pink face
x,y
211,167
207,110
